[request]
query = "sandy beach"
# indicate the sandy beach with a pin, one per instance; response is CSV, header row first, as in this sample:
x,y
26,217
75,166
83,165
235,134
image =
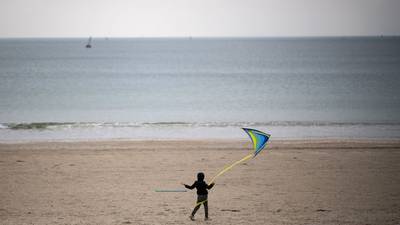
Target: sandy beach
x,y
113,182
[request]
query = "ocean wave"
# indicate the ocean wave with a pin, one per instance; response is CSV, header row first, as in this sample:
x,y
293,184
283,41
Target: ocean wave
x,y
29,126
66,125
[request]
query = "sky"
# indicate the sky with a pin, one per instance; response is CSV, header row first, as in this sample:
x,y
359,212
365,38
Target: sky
x,y
198,18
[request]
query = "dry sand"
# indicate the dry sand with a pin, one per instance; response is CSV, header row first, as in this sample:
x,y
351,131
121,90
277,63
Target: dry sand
x,y
292,182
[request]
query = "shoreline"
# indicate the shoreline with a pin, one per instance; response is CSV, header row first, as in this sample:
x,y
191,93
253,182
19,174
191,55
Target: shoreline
x,y
200,140
197,140
188,131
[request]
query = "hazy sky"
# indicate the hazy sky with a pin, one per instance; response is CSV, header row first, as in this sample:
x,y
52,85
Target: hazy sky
x,y
138,18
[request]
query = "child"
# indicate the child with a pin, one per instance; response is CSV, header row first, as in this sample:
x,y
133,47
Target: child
x,y
202,192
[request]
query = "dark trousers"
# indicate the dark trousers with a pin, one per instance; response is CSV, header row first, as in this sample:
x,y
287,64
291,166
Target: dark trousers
x,y
201,198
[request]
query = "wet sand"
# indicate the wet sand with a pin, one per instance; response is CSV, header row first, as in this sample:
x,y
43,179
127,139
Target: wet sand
x,y
113,182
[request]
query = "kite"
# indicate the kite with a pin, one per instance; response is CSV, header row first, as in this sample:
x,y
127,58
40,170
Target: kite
x,y
259,140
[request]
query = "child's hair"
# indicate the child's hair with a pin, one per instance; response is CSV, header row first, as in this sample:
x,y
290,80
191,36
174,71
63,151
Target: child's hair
x,y
200,176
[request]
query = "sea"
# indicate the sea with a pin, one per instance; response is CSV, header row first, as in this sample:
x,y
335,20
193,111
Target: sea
x,y
199,88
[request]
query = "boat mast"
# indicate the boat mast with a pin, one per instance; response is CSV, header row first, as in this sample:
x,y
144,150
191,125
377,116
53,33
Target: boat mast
x,y
89,44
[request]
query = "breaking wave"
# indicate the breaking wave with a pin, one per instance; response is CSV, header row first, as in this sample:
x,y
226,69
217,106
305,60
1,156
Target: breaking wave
x,y
66,125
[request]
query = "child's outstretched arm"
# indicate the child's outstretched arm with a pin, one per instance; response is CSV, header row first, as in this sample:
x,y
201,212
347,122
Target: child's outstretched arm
x,y
211,185
190,187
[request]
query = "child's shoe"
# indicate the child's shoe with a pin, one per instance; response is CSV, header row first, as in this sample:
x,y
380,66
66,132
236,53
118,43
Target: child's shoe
x,y
191,217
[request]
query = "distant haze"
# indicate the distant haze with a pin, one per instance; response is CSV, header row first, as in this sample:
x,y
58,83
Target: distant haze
x,y
175,18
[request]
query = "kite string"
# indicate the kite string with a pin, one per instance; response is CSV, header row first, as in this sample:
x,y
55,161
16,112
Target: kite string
x,y
199,203
225,170
231,166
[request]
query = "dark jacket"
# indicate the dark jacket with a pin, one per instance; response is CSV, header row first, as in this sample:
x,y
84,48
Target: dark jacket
x,y
201,187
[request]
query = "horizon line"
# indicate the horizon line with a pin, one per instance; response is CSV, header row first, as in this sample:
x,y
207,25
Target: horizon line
x,y
205,37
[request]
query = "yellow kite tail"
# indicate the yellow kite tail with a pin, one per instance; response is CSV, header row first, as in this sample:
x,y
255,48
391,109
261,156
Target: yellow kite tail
x,y
231,166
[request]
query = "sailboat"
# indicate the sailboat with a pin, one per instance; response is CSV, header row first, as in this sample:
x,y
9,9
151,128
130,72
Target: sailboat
x,y
89,44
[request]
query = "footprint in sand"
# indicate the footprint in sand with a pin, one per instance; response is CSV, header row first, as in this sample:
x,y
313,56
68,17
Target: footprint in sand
x,y
231,210
322,210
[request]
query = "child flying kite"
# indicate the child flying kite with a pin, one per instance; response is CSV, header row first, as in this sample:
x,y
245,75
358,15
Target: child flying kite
x,y
202,193
259,140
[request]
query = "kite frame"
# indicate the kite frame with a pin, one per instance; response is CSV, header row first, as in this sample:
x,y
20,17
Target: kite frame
x,y
253,139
